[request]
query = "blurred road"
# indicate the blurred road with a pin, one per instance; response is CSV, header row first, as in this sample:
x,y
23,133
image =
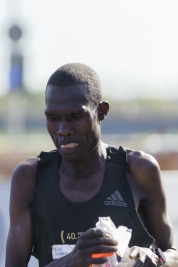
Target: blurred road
x,y
170,179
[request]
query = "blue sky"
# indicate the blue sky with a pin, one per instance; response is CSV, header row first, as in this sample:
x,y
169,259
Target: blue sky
x,y
132,45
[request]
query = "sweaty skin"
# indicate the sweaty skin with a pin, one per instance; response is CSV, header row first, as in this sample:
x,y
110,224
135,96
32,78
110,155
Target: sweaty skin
x,y
74,127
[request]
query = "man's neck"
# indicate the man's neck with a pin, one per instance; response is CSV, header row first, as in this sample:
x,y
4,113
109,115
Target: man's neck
x,y
93,161
81,181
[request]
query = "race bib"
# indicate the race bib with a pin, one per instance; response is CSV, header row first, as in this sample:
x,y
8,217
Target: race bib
x,y
59,251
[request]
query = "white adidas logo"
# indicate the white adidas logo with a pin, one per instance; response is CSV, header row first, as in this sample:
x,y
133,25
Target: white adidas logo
x,y
115,200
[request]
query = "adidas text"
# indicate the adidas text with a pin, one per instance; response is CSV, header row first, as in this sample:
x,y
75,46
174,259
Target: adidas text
x,y
115,203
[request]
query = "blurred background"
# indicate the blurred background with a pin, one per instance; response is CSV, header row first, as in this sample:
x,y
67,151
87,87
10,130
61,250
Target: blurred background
x,y
132,45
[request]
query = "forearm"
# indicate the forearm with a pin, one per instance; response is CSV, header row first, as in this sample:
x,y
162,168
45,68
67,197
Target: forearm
x,y
19,246
171,258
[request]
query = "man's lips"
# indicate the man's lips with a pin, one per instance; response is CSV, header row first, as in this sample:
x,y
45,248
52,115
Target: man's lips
x,y
69,145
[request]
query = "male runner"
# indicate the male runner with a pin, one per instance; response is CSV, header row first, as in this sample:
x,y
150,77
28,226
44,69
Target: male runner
x,y
56,198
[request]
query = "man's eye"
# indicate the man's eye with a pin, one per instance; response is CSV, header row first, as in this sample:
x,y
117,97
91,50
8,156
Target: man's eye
x,y
52,118
75,116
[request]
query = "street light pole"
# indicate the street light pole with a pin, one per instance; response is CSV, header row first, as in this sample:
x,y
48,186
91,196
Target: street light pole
x,y
16,100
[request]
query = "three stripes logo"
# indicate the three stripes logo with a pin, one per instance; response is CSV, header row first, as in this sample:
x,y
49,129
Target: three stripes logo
x,y
115,200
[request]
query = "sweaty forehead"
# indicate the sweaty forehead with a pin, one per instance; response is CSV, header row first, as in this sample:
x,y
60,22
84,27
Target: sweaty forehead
x,y
68,93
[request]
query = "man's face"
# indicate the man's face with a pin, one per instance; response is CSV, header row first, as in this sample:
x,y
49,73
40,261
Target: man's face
x,y
71,121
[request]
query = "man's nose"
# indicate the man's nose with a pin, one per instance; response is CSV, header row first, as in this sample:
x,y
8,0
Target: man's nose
x,y
65,128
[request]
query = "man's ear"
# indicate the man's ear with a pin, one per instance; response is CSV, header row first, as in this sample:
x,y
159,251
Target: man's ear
x,y
103,110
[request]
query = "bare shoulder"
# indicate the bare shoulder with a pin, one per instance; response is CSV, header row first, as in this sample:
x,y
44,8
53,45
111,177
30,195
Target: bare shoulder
x,y
23,179
26,170
141,162
144,169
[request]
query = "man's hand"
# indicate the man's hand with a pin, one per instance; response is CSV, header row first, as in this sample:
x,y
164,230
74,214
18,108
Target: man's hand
x,y
92,241
144,256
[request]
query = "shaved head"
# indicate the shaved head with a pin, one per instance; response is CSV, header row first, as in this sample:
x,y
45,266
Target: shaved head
x,y
75,74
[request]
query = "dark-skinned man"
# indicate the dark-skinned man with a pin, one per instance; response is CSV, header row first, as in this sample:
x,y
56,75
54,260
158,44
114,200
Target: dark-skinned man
x,y
57,197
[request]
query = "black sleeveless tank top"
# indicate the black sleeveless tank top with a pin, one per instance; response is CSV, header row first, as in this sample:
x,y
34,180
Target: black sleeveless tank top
x,y
57,220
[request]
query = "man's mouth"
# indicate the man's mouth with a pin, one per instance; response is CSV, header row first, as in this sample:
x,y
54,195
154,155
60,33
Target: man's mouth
x,y
70,145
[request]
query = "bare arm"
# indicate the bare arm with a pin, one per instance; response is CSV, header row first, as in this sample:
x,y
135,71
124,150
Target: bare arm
x,y
20,239
149,195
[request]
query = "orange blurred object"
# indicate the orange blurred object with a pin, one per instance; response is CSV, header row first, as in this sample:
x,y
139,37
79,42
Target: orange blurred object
x,y
102,255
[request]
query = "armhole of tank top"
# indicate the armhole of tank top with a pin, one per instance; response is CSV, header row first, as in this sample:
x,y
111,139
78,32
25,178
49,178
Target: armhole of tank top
x,y
36,178
136,215
33,217
38,170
